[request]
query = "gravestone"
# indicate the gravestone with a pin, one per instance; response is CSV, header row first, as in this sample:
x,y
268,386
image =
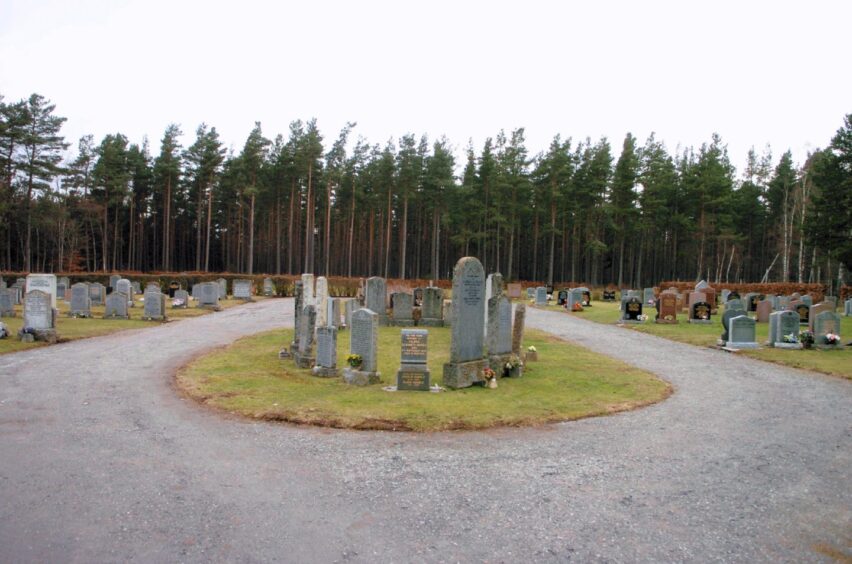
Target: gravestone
x,y
431,314
155,306
562,298
741,331
97,293
196,291
609,295
784,324
242,289
7,308
208,295
298,296
824,323
45,283
827,299
774,302
222,288
81,303
632,310
413,373
363,341
308,289
334,313
807,299
815,311
268,287
804,311
648,297
403,309
418,297
180,300
732,309
541,296
377,298
348,309
123,285
764,308
466,346
694,297
326,361
725,294
65,281
514,291
60,290
530,293
116,306
700,313
322,301
447,312
174,286
499,342
137,287
783,303
154,286
847,308
304,356
518,328
113,279
585,296
39,318
667,308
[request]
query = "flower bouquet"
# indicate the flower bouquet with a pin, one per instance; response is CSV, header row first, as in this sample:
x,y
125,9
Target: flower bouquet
x,y
807,339
831,339
791,338
490,378
532,353
354,360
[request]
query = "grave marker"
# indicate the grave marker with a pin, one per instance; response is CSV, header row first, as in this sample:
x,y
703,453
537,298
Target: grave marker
x,y
363,341
741,330
242,289
45,283
466,346
377,298
116,306
824,323
403,309
7,303
326,361
413,373
81,303
155,306
667,308
304,356
322,301
783,324
431,313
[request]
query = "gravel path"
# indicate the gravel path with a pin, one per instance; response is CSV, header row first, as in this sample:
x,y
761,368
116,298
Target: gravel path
x,y
101,460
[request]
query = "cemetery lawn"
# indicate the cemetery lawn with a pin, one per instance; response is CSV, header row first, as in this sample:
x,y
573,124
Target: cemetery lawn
x,y
568,382
832,362
71,329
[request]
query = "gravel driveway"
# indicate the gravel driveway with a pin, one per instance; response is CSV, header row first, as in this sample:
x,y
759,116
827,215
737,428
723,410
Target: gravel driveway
x,y
101,460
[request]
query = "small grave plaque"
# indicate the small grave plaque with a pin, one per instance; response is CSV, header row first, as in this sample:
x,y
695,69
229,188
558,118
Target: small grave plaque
x,y
326,361
413,373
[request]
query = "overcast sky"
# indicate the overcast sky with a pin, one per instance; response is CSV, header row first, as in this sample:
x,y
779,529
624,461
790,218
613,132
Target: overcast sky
x,y
755,72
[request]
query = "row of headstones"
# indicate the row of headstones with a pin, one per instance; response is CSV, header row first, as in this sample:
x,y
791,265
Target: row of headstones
x,y
740,329
467,359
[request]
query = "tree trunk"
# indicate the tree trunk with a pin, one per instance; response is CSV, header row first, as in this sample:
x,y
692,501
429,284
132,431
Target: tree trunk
x,y
251,235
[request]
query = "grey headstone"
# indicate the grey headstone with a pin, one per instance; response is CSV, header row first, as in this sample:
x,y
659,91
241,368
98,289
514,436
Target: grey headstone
x,y
541,296
783,323
518,328
807,299
97,292
45,283
647,296
741,331
268,287
322,301
181,299
155,305
530,293
7,303
403,309
137,287
242,289
307,325
327,347
468,303
364,337
308,289
500,326
824,323
348,309
847,308
81,303
376,298
334,312
38,313
208,294
431,311
124,286
413,373
223,288
447,312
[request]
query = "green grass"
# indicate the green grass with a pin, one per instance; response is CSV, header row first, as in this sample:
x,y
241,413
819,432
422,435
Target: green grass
x,y
833,362
71,329
568,382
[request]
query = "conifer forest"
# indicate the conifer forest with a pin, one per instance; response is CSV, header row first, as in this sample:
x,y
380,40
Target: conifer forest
x,y
629,212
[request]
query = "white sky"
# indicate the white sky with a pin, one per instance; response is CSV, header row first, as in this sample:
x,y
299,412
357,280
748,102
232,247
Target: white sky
x,y
756,72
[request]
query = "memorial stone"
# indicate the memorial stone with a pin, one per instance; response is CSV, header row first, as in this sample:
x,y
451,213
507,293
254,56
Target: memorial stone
x,y
431,310
784,330
376,298
541,296
403,309
7,308
97,292
124,286
322,301
308,289
287,352
725,294
137,287
326,360
208,295
363,341
242,289
39,318
304,356
667,308
530,293
847,308
741,330
413,373
81,303
648,296
764,308
514,291
815,311
268,287
348,309
804,311
447,312
466,346
180,300
45,283
807,299
831,300
116,306
632,310
732,309
824,323
222,288
518,328
155,306
700,313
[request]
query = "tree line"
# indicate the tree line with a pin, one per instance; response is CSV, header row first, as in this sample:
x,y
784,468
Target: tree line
x,y
347,207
